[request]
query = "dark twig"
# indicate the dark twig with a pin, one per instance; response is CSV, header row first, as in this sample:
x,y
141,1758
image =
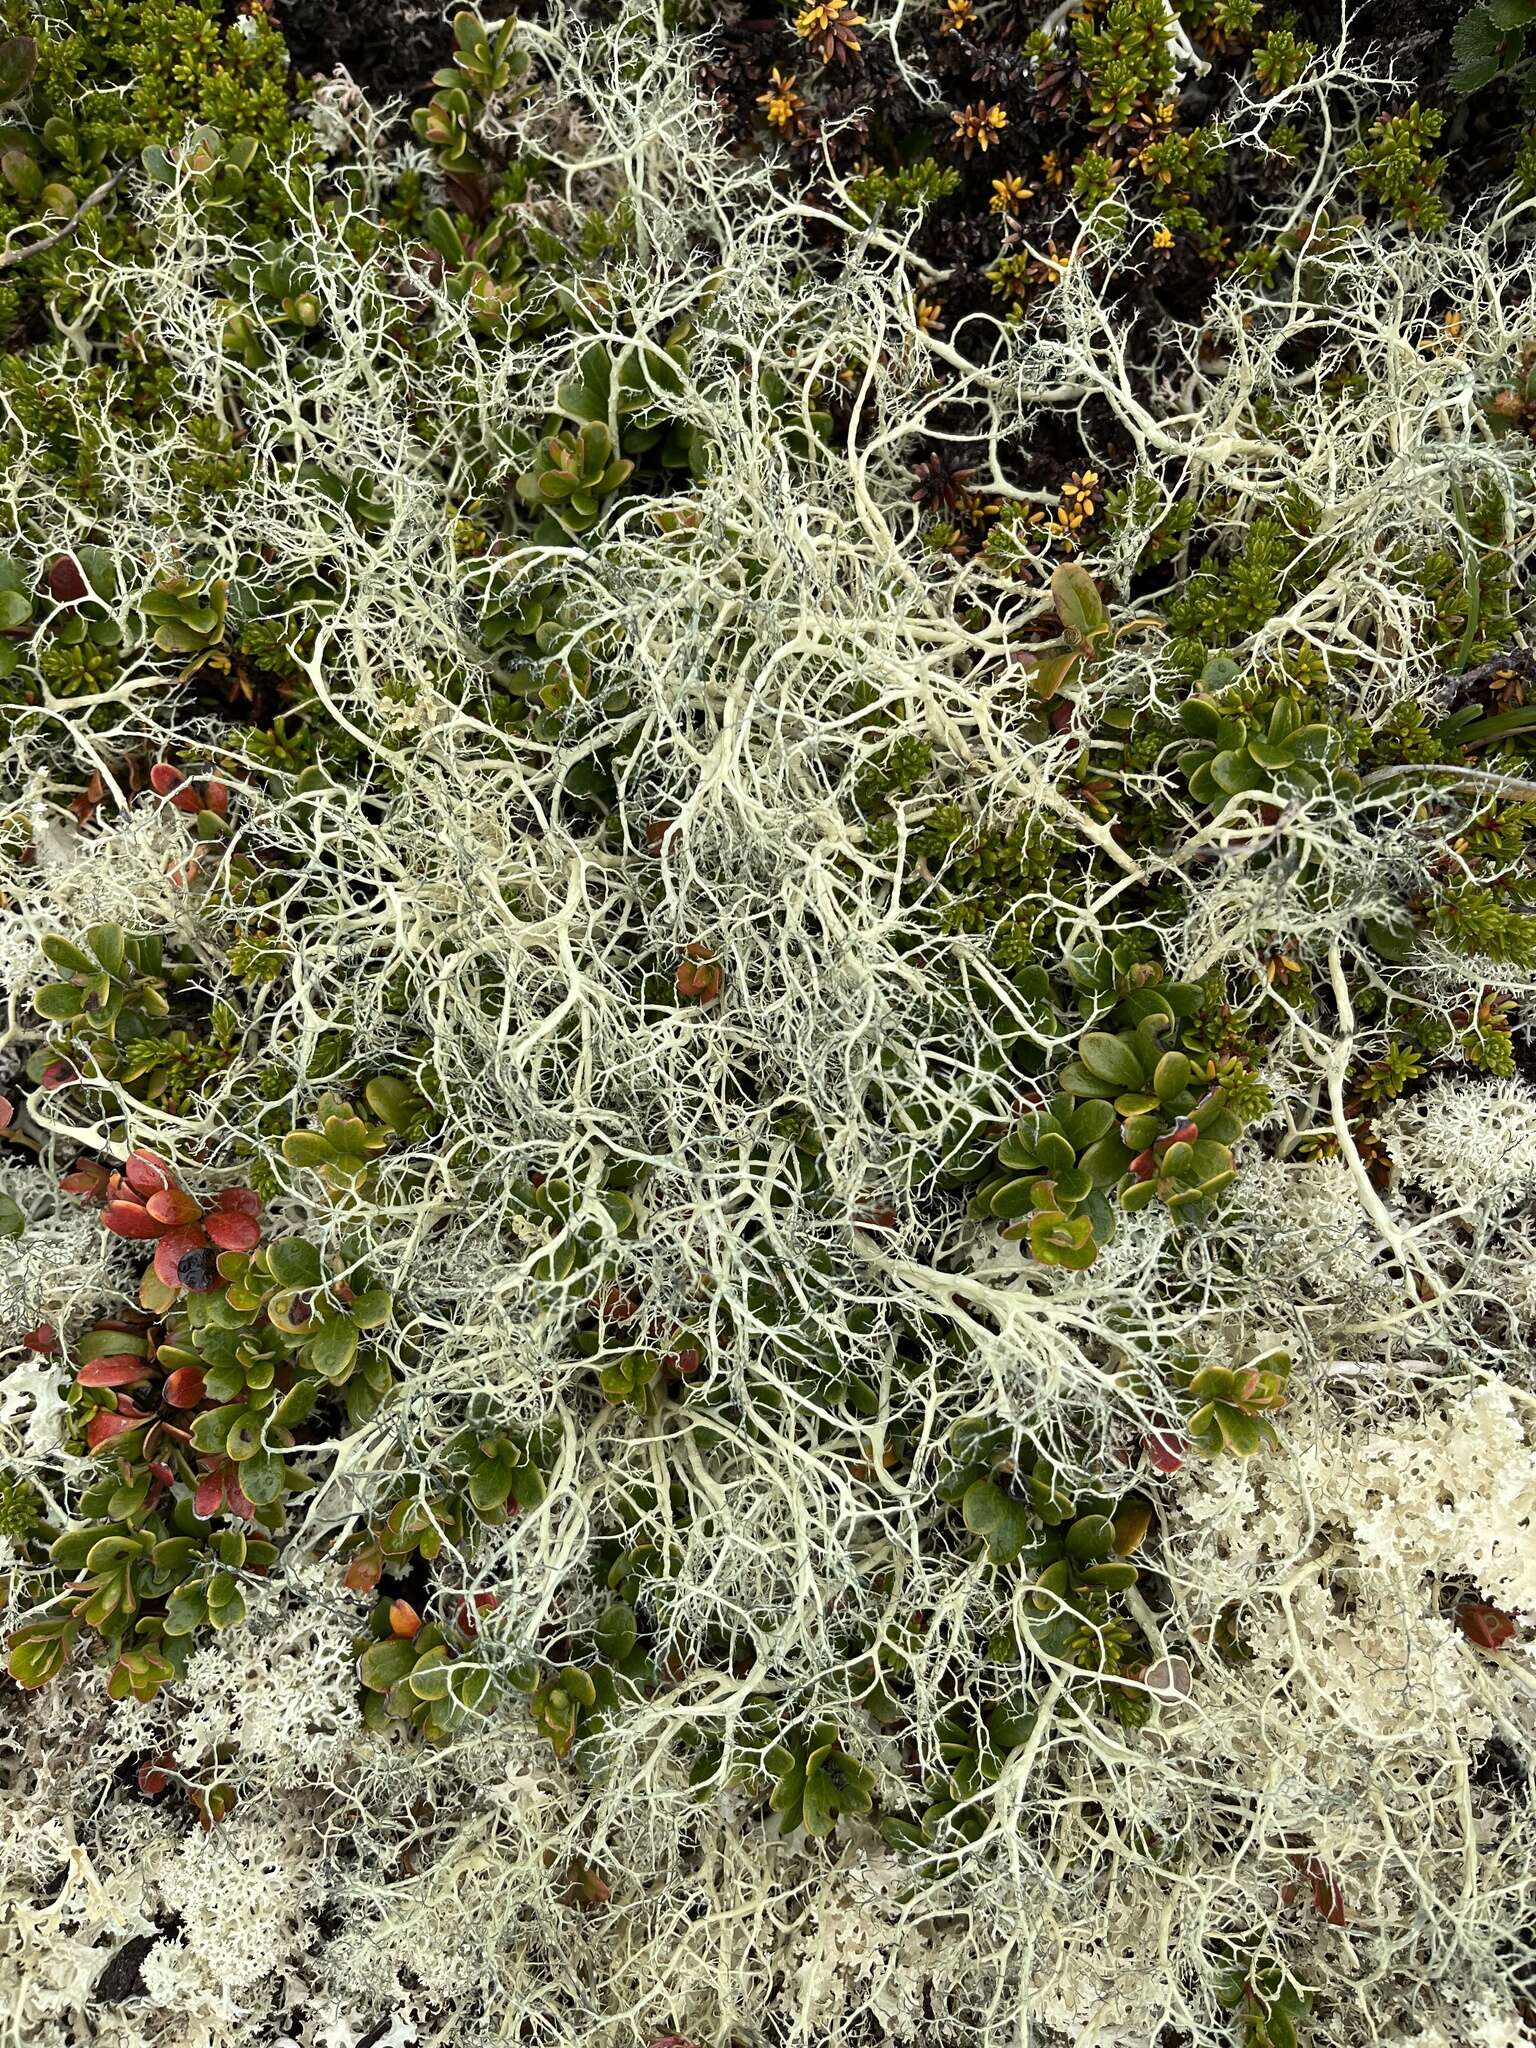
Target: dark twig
x,y
52,241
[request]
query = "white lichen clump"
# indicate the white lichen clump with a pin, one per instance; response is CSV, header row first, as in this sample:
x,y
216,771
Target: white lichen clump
x,y
1329,1712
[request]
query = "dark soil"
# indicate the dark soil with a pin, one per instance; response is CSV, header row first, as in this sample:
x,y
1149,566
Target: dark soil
x,y
1415,34
120,1981
388,46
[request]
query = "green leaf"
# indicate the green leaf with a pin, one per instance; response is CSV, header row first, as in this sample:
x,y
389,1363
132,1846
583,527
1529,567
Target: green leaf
x,y
40,1653
818,1806
1076,598
1054,1153
385,1664
1004,1524
261,1479
1109,1059
1090,1538
211,1430
1089,1121
393,1101
296,1407
1171,1076
60,1001
1201,719
1057,1240
429,1677
109,943
1312,744
1010,1199
186,1610
489,1485
616,1633
293,1262
226,1602
371,1309
1234,772
1391,942
1114,1574
1106,1161
70,1550
306,1148
1501,725
1475,49
1272,754
332,1349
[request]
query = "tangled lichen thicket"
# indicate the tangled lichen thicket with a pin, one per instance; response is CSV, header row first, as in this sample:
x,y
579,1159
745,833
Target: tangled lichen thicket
x,y
768,1128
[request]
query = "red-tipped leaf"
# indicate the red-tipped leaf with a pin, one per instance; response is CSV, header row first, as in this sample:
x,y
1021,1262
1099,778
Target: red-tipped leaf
x,y
121,1371
130,1219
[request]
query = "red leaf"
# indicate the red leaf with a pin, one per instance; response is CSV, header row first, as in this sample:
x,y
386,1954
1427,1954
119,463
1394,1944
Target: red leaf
x,y
1165,1451
86,1179
243,1201
154,1775
65,582
146,1173
184,1388
189,1238
7,1111
1184,1132
1327,1895
1489,1627
121,1371
216,797
44,1338
364,1572
469,1616
172,1206
231,1231
164,778
403,1619
102,1428
130,1219
210,1493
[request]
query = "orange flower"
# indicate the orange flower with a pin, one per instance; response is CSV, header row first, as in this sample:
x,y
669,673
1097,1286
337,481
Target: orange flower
x,y
832,25
978,127
782,103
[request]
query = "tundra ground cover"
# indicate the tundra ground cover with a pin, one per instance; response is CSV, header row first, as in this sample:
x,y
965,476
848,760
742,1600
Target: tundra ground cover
x,y
768,1128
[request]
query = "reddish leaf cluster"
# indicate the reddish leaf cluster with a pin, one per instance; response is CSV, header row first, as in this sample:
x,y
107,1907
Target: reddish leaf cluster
x,y
144,1202
128,1372
185,794
1489,1627
699,977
